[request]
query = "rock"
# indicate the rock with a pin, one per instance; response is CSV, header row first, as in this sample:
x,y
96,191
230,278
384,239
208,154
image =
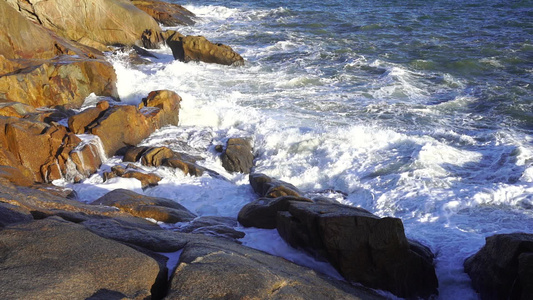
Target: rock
x,y
87,159
163,156
265,186
79,123
147,236
364,248
160,209
64,81
525,275
189,168
236,272
214,226
238,156
198,48
96,23
47,202
155,157
11,214
502,268
22,38
15,176
262,212
16,109
168,103
146,179
55,259
43,152
168,14
120,127
46,73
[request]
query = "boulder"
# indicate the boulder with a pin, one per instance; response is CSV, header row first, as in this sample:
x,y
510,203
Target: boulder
x,y
14,175
238,156
163,156
16,109
168,14
64,81
155,157
262,212
21,38
198,48
55,259
502,269
122,126
362,247
87,158
265,186
42,152
146,179
96,23
79,123
160,209
168,103
216,269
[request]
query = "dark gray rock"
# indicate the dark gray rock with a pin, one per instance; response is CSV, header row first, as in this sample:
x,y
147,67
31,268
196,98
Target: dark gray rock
x,y
56,259
262,212
502,268
363,247
238,156
147,236
11,214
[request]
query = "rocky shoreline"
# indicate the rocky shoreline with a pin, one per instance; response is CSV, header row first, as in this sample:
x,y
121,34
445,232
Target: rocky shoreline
x,y
55,247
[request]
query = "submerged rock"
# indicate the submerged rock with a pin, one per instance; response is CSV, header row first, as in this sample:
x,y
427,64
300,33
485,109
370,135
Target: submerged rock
x,y
237,156
55,259
503,268
168,14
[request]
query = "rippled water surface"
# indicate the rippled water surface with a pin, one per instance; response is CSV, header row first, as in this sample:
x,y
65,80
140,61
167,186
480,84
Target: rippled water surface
x,y
420,110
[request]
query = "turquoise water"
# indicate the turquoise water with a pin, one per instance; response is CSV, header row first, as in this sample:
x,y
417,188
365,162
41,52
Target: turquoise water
x,y
413,109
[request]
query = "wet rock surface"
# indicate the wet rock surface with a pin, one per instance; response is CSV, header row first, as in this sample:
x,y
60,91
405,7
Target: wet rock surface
x,y
198,48
361,246
502,269
237,156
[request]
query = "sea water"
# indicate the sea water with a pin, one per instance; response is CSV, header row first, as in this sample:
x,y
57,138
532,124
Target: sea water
x,y
420,110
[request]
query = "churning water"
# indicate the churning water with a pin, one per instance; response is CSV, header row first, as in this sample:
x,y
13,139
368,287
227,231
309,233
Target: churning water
x,y
420,110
